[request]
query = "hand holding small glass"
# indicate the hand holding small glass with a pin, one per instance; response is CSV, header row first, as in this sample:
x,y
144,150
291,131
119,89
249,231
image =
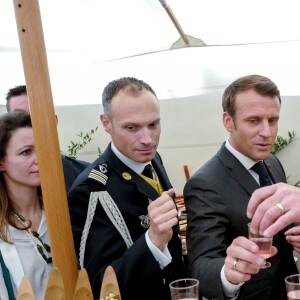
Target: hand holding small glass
x,y
264,244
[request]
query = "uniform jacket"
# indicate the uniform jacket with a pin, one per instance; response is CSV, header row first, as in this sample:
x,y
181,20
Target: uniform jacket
x,y
135,267
72,168
216,200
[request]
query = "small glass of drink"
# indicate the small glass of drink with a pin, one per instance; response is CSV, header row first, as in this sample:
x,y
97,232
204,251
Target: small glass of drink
x,y
185,289
292,284
264,245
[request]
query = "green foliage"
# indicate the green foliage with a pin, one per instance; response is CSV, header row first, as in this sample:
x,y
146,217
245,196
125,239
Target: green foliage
x,y
297,184
75,147
99,152
282,142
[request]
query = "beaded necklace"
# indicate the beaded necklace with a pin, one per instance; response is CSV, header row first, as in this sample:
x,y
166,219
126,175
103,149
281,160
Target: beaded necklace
x,y
35,237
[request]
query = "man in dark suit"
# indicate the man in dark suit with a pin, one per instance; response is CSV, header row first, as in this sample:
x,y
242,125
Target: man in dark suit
x,y
220,255
17,99
120,216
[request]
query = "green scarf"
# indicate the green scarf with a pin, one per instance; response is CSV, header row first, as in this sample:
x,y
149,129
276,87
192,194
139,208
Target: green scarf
x,y
7,279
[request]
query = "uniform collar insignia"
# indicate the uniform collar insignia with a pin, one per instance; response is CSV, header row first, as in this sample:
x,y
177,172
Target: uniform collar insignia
x,y
126,176
103,168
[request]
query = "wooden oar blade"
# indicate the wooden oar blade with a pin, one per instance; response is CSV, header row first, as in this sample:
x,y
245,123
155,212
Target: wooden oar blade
x,y
55,287
110,286
25,290
83,290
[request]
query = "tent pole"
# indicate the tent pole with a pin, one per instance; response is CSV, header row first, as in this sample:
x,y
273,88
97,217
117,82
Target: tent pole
x,y
33,51
175,22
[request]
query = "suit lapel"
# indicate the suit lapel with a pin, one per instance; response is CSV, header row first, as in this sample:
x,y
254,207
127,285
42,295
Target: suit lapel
x,y
238,171
275,169
145,188
161,173
243,177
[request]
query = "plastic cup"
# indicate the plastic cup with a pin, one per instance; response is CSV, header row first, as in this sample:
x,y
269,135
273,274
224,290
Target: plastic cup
x,y
185,289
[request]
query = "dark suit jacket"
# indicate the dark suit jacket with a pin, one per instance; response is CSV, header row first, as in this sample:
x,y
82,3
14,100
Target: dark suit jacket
x,y
136,268
72,168
216,199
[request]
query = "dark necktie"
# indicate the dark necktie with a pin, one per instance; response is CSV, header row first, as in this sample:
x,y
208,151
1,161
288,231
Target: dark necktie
x,y
261,170
148,171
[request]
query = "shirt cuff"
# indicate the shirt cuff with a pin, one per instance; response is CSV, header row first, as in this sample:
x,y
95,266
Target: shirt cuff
x,y
229,289
163,257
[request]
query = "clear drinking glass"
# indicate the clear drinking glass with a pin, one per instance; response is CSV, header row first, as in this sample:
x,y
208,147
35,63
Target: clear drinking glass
x,y
264,244
185,289
292,284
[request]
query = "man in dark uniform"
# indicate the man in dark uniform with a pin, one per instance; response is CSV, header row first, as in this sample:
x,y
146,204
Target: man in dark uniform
x,y
119,216
16,99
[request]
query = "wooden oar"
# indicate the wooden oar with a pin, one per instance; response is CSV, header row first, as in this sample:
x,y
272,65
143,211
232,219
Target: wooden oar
x,y
36,72
83,290
55,286
25,290
110,285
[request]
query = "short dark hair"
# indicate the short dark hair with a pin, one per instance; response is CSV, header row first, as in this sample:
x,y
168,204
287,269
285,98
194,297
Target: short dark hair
x,y
13,92
131,84
260,84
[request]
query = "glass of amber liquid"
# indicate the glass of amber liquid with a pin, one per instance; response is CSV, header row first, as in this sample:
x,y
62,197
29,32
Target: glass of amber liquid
x,y
264,245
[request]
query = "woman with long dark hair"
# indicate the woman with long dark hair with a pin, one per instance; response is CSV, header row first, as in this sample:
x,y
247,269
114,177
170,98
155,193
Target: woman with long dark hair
x,y
24,241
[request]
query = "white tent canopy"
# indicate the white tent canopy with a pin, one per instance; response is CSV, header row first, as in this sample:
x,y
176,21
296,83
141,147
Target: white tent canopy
x,y
90,42
83,36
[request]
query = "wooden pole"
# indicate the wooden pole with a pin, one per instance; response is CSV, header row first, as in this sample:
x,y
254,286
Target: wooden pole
x,y
36,72
175,22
